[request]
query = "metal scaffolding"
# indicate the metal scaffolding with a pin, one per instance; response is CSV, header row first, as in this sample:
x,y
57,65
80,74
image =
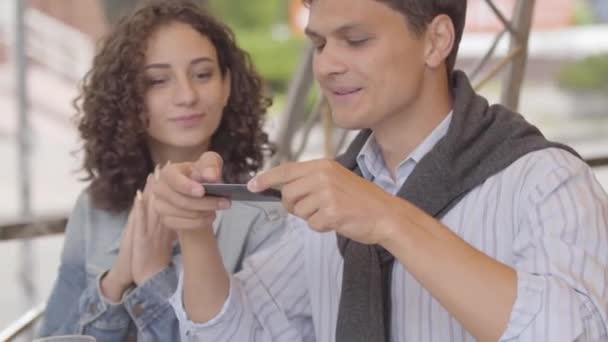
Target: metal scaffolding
x,y
26,252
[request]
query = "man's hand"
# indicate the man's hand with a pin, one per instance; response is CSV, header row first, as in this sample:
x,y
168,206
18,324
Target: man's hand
x,y
330,197
180,199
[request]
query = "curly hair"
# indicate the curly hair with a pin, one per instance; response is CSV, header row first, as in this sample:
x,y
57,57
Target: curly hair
x,y
111,110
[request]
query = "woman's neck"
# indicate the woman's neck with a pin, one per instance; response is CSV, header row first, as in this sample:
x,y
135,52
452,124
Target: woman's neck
x,y
162,153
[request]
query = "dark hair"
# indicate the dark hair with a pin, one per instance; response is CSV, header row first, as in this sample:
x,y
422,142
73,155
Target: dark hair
x,y
111,109
419,13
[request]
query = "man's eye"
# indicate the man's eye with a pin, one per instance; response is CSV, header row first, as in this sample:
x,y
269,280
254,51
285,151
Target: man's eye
x,y
356,42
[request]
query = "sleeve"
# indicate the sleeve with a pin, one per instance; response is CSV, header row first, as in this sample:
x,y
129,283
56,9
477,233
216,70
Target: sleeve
x,y
150,309
268,299
561,259
75,305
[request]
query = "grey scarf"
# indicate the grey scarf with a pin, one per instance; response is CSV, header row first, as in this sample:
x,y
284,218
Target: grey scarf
x,y
481,141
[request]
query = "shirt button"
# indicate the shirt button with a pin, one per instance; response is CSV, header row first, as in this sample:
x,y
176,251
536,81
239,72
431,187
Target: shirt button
x,y
138,310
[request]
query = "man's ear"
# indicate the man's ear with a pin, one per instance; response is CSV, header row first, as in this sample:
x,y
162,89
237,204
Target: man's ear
x,y
440,36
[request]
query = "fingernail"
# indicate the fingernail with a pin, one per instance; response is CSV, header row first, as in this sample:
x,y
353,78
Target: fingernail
x,y
252,185
168,163
139,195
224,204
157,172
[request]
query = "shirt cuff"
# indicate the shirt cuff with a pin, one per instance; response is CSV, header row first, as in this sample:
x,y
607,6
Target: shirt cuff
x,y
99,311
147,302
529,302
189,327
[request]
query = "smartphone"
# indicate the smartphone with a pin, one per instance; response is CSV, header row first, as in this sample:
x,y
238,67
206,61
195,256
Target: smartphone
x,y
239,192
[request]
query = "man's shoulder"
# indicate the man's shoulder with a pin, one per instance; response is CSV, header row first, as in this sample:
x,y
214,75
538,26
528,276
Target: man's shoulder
x,y
547,161
538,173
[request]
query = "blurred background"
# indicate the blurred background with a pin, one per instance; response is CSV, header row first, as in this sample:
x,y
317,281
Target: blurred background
x,y
46,46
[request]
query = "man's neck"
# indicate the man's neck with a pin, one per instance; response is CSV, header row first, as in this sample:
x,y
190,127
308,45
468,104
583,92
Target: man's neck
x,y
398,135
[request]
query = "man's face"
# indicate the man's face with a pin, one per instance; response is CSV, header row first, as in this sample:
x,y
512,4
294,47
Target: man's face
x,y
367,62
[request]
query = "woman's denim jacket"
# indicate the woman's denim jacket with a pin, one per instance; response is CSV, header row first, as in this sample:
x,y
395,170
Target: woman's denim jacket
x,y
92,238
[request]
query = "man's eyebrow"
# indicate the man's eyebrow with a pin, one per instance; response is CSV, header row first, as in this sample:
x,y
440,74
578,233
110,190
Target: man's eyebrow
x,y
339,31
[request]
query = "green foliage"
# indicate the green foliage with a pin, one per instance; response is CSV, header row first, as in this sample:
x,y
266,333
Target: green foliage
x,y
583,13
257,14
253,23
589,74
276,60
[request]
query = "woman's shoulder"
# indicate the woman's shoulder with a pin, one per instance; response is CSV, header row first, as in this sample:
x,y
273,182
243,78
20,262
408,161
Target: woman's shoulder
x,y
99,229
85,208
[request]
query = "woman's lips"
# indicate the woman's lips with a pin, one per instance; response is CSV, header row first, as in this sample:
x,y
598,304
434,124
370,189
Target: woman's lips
x,y
188,120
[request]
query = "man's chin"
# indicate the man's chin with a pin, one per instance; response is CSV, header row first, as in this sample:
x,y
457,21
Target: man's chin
x,y
350,122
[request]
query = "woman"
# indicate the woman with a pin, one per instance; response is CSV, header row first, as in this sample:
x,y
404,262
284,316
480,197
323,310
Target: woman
x,y
168,84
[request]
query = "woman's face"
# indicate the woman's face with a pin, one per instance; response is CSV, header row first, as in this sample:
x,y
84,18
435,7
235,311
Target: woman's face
x,y
186,92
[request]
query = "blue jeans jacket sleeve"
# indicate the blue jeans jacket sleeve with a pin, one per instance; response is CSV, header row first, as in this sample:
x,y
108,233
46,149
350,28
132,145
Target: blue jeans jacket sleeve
x,y
74,308
76,305
150,309
147,307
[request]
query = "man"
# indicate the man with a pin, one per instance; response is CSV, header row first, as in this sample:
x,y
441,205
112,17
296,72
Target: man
x,y
445,220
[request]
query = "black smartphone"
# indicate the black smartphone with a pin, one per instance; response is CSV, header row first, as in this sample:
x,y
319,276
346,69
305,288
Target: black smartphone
x,y
239,192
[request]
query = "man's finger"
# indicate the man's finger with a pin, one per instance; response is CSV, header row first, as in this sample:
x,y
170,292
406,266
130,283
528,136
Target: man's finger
x,y
306,207
286,173
319,222
183,202
297,190
208,168
273,178
177,177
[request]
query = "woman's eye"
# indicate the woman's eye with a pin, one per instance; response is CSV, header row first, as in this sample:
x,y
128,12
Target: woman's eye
x,y
356,42
203,76
156,81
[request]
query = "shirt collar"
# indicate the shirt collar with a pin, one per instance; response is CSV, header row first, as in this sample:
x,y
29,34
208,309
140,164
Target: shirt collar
x,y
371,162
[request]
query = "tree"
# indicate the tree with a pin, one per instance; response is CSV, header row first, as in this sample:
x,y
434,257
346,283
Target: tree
x,y
258,14
117,8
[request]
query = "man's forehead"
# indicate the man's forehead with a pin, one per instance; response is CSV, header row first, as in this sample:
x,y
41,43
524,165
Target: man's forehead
x,y
331,16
